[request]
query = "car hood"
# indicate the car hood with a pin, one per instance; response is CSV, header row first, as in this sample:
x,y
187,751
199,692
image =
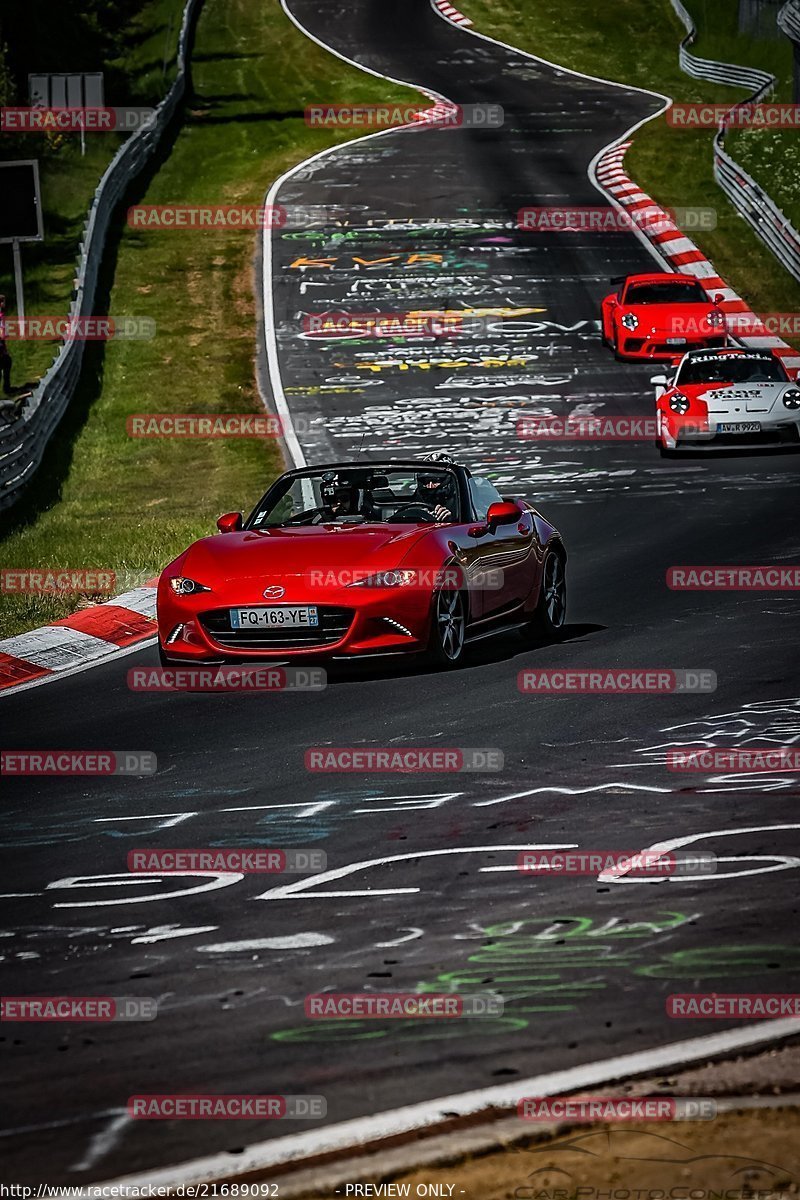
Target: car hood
x,y
740,397
274,553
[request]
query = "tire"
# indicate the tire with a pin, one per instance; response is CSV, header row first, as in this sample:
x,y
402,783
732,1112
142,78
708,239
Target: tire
x,y
547,622
448,628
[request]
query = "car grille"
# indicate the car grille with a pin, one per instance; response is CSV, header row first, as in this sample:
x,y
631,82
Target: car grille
x,y
333,625
634,345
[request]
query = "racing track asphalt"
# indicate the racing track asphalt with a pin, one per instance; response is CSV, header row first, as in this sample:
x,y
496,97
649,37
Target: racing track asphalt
x,y
591,770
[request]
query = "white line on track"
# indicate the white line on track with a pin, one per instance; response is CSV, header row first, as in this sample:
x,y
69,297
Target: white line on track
x,y
273,364
357,1134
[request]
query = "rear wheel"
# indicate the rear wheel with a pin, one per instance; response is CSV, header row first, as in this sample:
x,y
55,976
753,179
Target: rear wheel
x,y
448,628
547,622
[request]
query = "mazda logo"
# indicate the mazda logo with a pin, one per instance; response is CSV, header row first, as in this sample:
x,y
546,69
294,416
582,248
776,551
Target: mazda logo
x,y
275,592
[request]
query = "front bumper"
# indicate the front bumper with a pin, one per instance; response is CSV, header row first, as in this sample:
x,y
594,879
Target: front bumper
x,y
379,621
653,344
678,435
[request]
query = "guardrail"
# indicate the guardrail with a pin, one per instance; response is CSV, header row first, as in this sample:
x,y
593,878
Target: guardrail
x,y
23,440
789,23
748,197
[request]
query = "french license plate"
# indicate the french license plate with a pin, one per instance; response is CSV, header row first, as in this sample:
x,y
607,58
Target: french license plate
x,y
739,427
676,341
305,617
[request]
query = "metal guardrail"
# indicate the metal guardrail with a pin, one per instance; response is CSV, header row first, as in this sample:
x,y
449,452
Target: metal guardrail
x,y
789,19
748,197
23,440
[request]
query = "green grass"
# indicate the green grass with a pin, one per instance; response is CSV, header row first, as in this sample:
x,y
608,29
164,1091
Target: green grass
x,y
636,43
105,500
68,180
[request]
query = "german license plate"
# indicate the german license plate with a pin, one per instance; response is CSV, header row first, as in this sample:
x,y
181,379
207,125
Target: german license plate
x,y
739,427
285,617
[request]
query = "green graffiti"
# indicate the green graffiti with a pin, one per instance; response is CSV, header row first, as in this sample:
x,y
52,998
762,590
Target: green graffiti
x,y
423,1030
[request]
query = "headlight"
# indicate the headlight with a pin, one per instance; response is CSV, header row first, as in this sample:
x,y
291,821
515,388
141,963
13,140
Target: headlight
x,y
187,587
716,319
679,403
630,321
386,579
791,399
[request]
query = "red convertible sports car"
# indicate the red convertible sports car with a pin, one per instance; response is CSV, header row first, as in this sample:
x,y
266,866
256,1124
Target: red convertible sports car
x,y
365,558
660,316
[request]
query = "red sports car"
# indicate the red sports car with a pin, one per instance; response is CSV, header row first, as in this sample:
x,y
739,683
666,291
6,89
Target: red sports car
x,y
365,558
721,398
659,316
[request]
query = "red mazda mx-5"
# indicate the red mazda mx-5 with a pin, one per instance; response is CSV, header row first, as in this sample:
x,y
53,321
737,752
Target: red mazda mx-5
x,y
365,558
660,316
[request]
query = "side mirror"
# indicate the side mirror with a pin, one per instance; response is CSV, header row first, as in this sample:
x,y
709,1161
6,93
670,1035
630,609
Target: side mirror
x,y
659,380
229,522
503,512
719,298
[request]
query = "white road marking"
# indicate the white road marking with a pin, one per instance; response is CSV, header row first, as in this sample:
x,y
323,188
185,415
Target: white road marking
x,y
293,941
301,886
100,1144
413,933
215,880
614,875
162,933
356,1134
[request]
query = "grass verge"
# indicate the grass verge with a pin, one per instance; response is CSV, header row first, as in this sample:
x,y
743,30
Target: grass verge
x,y
68,180
102,499
629,42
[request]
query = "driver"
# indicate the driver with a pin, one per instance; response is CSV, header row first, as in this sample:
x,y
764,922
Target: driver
x,y
435,489
338,500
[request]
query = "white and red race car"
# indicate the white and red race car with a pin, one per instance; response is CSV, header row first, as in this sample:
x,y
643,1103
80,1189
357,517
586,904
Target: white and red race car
x,y
726,398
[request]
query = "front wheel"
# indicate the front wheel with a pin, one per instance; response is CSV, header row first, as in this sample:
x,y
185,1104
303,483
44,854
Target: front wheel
x,y
551,609
448,628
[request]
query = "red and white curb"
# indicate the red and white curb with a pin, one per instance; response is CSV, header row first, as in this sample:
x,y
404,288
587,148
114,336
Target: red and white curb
x,y
84,637
679,252
452,14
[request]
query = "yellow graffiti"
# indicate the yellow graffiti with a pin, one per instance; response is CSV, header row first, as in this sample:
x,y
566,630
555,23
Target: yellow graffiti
x,y
303,263
429,364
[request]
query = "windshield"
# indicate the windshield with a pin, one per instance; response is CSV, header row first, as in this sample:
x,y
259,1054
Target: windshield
x,y
733,368
670,292
360,495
